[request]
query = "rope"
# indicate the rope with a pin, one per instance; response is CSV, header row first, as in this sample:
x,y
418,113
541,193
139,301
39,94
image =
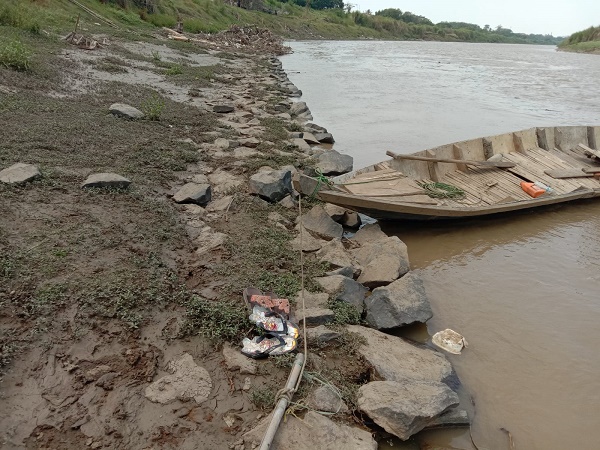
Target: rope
x,y
321,179
441,190
302,288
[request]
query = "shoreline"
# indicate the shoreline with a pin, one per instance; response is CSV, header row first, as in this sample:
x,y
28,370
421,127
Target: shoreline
x,y
110,312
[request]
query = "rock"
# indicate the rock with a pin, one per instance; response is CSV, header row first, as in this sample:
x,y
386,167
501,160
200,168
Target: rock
x,y
334,253
245,152
315,316
328,399
368,234
313,432
324,138
318,222
195,210
382,261
249,142
314,128
454,417
222,143
125,111
284,116
301,144
220,205
322,335
395,359
344,289
335,212
312,300
305,116
187,381
223,181
405,407
347,272
223,109
352,220
273,185
200,194
234,360
199,178
334,163
106,180
288,202
309,138
19,173
208,240
401,303
298,108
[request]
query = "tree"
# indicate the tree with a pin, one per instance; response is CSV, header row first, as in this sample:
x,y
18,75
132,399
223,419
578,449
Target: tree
x,y
487,28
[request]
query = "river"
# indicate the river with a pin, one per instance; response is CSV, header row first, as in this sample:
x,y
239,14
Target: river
x,y
523,289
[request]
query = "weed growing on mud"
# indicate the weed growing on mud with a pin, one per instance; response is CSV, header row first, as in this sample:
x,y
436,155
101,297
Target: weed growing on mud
x,y
344,313
175,69
156,55
153,107
15,55
217,320
263,398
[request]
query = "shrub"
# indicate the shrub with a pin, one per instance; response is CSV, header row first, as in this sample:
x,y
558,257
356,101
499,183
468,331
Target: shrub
x,y
15,55
175,69
153,107
20,16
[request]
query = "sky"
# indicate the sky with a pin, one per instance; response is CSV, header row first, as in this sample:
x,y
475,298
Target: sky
x,y
556,17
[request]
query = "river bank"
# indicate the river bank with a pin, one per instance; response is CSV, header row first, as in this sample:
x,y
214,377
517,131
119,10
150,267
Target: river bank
x,y
114,298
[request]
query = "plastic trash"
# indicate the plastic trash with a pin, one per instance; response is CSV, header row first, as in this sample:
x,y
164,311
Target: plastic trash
x,y
450,341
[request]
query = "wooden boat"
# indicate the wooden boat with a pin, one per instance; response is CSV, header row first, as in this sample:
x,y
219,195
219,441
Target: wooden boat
x,y
567,159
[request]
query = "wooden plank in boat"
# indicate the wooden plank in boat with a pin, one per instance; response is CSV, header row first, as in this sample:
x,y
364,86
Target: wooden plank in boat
x,y
459,154
530,171
568,173
552,162
589,152
382,187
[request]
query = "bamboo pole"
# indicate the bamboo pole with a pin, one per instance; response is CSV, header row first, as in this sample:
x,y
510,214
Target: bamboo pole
x,y
501,164
284,399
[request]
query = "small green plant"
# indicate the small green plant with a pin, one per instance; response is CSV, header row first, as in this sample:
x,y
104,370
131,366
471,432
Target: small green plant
x,y
153,107
175,69
15,55
344,313
156,55
218,320
263,398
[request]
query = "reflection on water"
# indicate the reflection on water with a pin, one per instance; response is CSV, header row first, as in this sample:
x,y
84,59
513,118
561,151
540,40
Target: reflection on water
x,y
523,289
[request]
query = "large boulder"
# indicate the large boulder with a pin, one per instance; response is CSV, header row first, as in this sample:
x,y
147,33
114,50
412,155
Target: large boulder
x,y
19,173
313,432
322,336
396,359
315,316
200,194
324,138
334,253
306,242
382,261
327,398
186,381
405,407
106,180
223,109
125,111
344,289
298,108
301,144
272,185
309,138
401,303
334,163
370,233
318,222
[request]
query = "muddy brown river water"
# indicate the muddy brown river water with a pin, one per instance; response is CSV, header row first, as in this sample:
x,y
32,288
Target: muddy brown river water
x,y
523,289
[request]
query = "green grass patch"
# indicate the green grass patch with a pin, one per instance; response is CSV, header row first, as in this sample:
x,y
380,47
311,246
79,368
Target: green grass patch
x,y
345,313
263,397
217,320
153,107
15,55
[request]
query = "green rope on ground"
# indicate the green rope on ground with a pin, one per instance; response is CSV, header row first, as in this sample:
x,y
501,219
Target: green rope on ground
x,y
321,179
441,190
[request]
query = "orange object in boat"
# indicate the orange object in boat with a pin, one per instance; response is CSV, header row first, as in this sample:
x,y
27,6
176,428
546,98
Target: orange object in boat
x,y
532,189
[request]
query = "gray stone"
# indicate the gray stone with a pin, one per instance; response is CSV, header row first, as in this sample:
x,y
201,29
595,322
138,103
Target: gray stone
x,y
208,240
334,253
305,116
311,300
401,303
325,138
284,116
306,242
315,316
322,335
220,205
273,185
344,289
19,173
288,202
395,359
318,222
313,432
234,360
245,152
298,108
335,212
301,144
327,398
223,109
295,135
222,143
405,407
195,210
106,180
250,142
314,128
382,261
368,234
334,163
309,138
452,418
222,181
125,111
343,271
187,381
199,194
